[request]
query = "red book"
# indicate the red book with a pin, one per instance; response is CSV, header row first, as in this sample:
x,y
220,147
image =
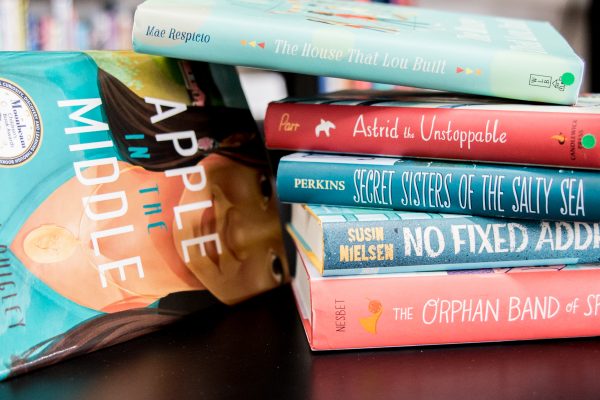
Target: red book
x,y
367,311
439,126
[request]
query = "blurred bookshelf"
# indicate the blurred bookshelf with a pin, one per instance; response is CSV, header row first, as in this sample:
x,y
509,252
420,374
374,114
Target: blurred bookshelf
x,y
66,24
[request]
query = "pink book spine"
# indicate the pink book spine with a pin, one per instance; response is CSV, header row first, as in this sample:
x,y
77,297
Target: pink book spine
x,y
424,309
518,137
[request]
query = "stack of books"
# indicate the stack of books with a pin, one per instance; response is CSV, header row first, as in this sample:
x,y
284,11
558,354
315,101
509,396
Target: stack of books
x,y
136,180
425,217
441,251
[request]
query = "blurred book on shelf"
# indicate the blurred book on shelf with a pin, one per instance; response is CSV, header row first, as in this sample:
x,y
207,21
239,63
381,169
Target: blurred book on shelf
x,y
13,34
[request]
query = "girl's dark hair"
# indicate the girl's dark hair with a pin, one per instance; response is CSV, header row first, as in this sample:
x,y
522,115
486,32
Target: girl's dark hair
x,y
93,334
109,329
231,131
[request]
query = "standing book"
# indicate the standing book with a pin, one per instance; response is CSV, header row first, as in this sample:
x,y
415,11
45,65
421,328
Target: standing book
x,y
440,126
431,308
135,189
347,241
501,57
493,190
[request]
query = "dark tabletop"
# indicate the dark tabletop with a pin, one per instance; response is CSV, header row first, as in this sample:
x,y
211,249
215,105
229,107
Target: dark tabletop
x,y
258,350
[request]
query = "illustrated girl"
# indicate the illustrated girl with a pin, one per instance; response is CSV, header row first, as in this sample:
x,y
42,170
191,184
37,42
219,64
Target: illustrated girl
x,y
245,255
167,223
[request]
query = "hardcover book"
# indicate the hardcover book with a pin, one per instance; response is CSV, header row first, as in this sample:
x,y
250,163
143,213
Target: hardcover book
x,y
131,183
347,241
431,308
439,126
493,190
477,54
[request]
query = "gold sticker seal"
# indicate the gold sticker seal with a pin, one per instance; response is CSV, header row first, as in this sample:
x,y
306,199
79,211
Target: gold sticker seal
x,y
20,125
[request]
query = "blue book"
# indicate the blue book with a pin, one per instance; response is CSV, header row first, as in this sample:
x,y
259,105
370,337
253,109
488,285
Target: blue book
x,y
383,43
130,184
352,241
437,186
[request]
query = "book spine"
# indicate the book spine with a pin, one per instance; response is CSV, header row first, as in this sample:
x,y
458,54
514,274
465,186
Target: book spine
x,y
13,27
439,244
516,137
457,308
263,40
475,189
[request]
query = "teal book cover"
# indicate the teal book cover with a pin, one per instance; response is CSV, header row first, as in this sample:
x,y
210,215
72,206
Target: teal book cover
x,y
384,43
489,190
130,186
356,241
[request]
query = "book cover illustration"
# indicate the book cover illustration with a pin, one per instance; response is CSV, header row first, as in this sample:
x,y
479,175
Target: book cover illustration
x,y
347,241
439,126
129,180
432,308
493,190
383,43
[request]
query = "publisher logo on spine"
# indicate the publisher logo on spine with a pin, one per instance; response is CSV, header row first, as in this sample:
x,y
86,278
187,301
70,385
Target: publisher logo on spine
x,y
20,125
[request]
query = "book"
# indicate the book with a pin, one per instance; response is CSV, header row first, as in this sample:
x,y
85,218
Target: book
x,y
13,27
383,43
440,126
350,241
431,308
135,188
493,190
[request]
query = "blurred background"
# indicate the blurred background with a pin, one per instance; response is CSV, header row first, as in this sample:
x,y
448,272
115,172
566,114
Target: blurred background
x,y
107,24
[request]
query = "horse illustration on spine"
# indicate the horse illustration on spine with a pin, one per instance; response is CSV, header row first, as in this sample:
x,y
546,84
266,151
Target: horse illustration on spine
x,y
324,127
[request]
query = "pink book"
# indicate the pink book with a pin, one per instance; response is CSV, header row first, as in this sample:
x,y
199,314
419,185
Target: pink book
x,y
367,311
440,126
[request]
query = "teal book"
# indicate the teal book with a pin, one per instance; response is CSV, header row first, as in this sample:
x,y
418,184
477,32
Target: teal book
x,y
384,43
356,241
492,190
135,190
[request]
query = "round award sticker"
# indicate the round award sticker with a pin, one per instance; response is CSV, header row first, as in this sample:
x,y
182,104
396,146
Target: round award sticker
x,y
20,125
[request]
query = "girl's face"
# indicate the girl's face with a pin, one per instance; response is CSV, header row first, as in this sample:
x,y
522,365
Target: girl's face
x,y
56,242
248,256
